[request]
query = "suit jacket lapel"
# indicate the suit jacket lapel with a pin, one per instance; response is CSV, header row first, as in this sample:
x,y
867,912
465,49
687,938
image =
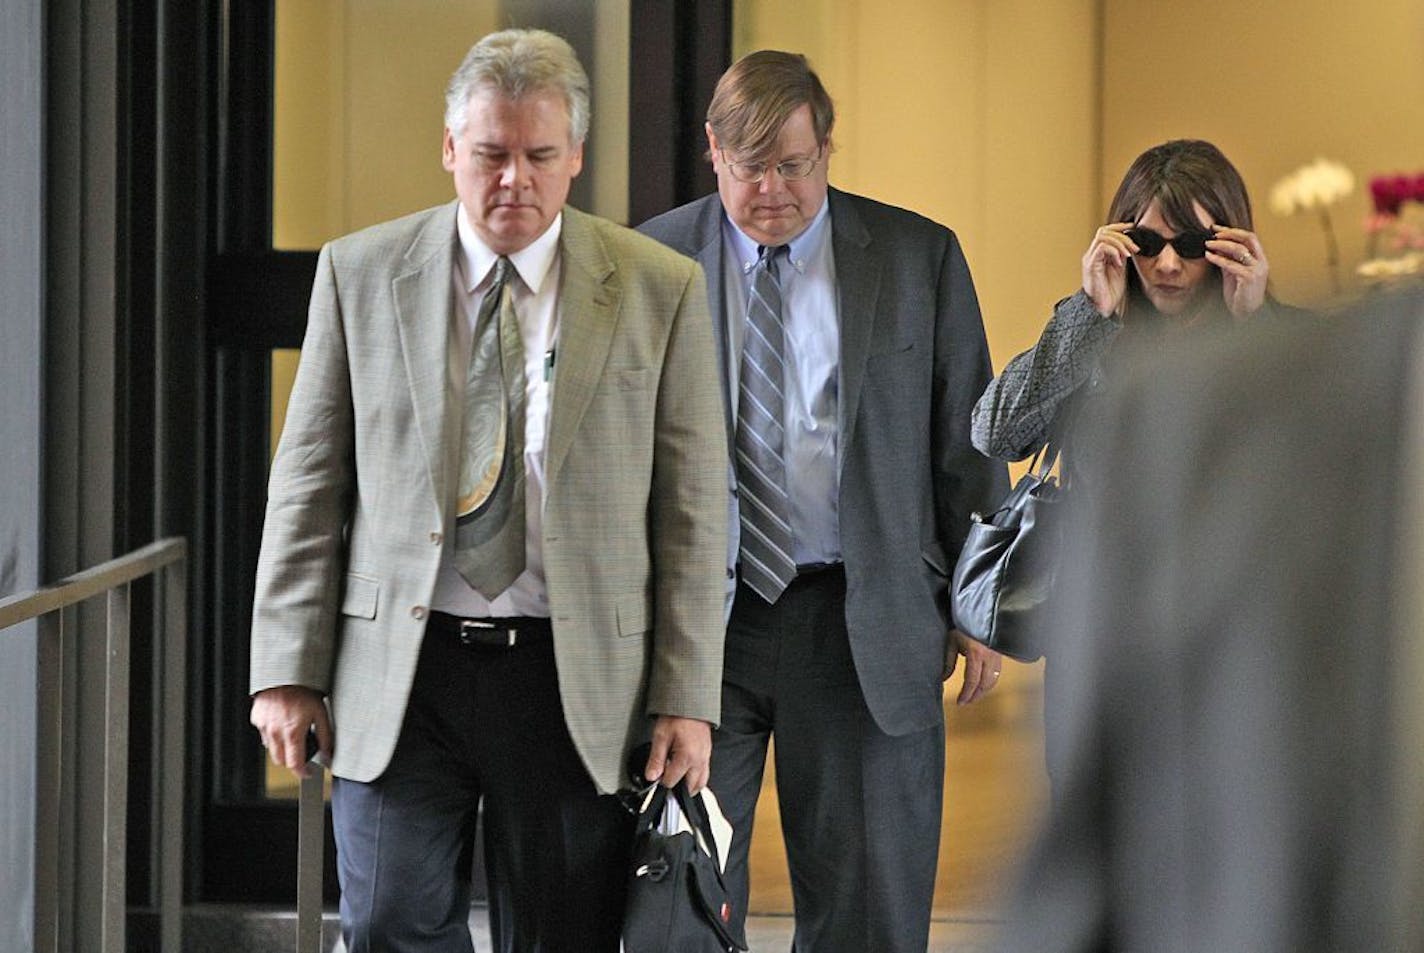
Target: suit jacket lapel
x,y
424,301
708,250
858,267
589,298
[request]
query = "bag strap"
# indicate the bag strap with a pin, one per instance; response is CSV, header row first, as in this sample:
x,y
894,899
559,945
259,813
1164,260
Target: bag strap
x,y
650,815
1044,460
696,810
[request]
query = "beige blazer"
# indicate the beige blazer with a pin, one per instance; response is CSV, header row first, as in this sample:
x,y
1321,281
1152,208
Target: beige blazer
x,y
634,519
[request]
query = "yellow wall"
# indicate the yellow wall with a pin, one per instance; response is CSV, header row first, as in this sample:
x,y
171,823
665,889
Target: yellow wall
x,y
1274,84
360,110
1012,121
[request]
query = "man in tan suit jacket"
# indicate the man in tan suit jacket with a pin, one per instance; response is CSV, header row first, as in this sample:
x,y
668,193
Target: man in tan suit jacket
x,y
430,696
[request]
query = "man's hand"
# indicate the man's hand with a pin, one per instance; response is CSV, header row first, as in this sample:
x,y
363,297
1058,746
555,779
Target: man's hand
x,y
283,716
982,666
682,749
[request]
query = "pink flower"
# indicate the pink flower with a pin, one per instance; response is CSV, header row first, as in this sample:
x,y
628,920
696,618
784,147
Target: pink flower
x,y
1390,192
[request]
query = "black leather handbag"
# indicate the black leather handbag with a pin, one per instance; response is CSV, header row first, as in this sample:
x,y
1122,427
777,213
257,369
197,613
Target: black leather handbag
x,y
1005,572
676,899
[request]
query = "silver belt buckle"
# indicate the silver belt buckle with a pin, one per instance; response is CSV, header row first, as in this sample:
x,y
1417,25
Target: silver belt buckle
x,y
467,625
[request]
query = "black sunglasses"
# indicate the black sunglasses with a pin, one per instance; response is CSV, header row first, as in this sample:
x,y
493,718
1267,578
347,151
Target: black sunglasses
x,y
1190,244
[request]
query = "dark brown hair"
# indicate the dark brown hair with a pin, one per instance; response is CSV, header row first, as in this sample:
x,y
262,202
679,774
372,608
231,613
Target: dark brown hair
x,y
754,98
1176,174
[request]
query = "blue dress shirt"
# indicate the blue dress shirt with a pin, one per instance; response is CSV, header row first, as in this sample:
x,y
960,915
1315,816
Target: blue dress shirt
x,y
811,315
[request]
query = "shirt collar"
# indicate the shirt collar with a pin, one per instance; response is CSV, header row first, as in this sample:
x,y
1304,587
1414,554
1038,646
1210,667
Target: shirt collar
x,y
532,263
799,249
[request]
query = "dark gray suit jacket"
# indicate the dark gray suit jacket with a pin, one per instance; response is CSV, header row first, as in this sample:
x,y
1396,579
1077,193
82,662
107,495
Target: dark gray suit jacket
x,y
1234,628
913,361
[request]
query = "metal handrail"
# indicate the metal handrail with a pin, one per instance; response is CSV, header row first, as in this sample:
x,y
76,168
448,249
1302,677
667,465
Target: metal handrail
x,y
167,559
74,589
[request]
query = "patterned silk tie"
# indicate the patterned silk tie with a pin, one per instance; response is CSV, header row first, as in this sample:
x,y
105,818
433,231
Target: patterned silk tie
x,y
489,521
767,563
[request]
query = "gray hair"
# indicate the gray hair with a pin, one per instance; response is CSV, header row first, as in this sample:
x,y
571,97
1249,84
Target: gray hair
x,y
515,63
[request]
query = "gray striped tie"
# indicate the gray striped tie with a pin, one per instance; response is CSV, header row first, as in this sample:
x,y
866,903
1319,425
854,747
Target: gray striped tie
x,y
489,522
766,558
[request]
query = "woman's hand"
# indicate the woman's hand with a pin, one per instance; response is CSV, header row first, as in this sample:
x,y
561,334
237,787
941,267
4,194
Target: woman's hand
x,y
1105,268
1244,268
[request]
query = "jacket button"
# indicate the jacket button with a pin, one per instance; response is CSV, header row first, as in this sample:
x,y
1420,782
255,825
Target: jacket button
x,y
437,538
417,612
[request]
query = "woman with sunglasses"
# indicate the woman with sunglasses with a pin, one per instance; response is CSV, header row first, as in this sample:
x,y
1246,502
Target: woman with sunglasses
x,y
1178,253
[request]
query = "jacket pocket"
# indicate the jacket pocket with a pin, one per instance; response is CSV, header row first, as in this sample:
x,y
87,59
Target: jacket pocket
x,y
896,349
360,596
632,614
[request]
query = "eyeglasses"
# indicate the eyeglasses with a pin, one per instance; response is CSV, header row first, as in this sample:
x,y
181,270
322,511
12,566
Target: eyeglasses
x,y
789,169
1190,244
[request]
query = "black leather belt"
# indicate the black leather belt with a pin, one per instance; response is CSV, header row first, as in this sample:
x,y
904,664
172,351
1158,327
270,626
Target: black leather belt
x,y
802,569
504,633
810,569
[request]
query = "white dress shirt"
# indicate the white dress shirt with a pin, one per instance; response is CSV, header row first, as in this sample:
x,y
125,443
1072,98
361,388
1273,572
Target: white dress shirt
x,y
535,294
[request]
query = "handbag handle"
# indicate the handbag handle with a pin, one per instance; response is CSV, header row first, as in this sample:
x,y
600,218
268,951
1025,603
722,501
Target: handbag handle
x,y
1044,459
692,808
696,810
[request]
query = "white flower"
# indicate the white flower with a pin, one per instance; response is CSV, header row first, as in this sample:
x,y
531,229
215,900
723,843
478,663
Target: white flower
x,y
1316,185
1391,267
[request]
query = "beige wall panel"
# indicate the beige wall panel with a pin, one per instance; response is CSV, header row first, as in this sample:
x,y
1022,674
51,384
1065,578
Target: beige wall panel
x,y
308,163
360,110
1039,142
608,137
1274,84
395,101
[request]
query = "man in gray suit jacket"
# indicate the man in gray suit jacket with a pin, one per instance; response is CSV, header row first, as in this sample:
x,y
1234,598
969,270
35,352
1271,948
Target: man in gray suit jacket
x,y
482,632
851,351
1244,612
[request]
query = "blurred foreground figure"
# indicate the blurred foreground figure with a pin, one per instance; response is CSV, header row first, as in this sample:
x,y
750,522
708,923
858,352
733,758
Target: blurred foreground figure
x,y
1243,761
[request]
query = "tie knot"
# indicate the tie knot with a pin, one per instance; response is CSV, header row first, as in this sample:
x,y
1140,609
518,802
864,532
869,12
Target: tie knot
x,y
502,268
768,256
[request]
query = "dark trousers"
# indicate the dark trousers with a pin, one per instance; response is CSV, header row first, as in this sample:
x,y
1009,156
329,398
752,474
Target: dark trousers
x,y
483,724
860,809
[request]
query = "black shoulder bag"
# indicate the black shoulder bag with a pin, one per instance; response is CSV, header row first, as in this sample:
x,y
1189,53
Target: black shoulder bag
x,y
1005,571
676,900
